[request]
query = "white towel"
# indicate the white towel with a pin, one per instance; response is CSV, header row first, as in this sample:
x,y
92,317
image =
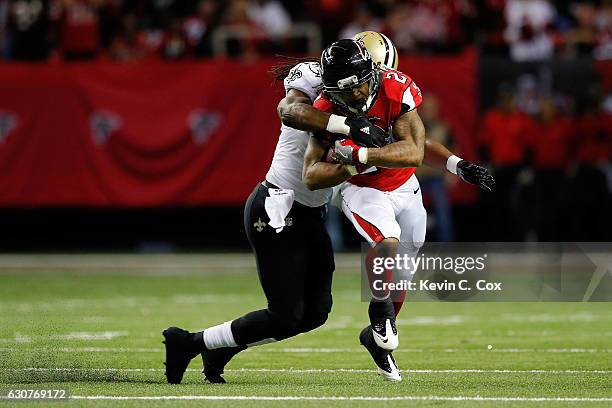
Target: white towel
x,y
278,206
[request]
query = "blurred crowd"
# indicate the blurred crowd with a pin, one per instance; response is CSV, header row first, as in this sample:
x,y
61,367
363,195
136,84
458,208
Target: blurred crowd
x,y
551,157
550,152
135,29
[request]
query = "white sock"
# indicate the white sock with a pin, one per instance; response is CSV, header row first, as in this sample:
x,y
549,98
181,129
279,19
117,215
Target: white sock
x,y
219,336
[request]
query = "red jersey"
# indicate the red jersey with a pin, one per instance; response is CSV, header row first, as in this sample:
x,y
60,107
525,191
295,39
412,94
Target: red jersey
x,y
397,94
504,135
551,143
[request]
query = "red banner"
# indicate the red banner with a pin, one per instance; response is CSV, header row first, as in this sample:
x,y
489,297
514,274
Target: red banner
x,y
161,134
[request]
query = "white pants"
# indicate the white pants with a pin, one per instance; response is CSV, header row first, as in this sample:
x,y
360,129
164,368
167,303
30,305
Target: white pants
x,y
377,215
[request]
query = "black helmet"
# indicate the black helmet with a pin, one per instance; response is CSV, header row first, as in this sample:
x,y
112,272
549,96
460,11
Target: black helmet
x,y
344,65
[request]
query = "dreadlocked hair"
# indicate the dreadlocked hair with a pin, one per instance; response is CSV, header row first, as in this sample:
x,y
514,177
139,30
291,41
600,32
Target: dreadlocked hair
x,y
280,71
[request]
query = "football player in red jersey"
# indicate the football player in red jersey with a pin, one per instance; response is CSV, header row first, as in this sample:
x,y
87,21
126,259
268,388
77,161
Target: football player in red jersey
x,y
382,197
295,111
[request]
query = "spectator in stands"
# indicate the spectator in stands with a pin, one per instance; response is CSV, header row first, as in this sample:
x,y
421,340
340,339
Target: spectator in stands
x,y
433,181
199,26
502,138
435,24
28,29
592,33
363,21
271,16
398,27
527,94
549,138
527,31
603,22
590,196
3,29
175,45
331,16
250,34
129,43
491,23
582,38
78,28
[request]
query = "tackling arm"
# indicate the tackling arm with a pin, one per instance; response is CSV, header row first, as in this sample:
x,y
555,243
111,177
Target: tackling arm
x,y
317,174
295,110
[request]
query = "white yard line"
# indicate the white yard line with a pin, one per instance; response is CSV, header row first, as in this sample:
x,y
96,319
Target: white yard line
x,y
340,398
308,370
300,350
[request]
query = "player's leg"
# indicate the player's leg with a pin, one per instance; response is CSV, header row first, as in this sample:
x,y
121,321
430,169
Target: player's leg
x,y
412,218
281,264
318,282
373,217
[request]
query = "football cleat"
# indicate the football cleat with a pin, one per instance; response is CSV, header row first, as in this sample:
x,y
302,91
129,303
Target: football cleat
x,y
180,351
215,360
385,334
387,368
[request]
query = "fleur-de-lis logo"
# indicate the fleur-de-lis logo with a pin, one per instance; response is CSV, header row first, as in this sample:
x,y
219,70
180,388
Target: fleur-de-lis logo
x,y
294,74
259,225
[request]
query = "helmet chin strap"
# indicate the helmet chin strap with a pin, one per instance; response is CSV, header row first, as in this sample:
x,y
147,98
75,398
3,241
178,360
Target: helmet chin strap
x,y
374,84
368,104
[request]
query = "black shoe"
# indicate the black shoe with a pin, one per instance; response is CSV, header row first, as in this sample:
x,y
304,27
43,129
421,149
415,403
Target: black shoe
x,y
383,359
180,350
215,360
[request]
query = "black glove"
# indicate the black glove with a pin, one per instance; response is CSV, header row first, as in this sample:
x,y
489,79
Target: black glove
x,y
475,174
365,133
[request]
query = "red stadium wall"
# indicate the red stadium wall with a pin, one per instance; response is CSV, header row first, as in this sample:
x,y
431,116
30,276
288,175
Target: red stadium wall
x,y
164,134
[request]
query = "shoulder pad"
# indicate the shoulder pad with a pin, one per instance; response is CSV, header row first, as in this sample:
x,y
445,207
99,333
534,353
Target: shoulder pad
x,y
305,77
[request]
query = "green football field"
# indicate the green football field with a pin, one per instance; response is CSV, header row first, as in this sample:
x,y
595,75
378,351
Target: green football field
x,y
92,325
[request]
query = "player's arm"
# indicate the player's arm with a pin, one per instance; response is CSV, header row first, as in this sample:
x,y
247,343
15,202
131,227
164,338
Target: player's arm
x,y
409,148
438,156
407,151
295,110
316,173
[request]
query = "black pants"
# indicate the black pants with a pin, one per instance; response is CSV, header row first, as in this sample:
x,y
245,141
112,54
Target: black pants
x,y
295,269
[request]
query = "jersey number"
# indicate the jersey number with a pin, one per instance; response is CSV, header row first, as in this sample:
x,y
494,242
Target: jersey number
x,y
401,79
